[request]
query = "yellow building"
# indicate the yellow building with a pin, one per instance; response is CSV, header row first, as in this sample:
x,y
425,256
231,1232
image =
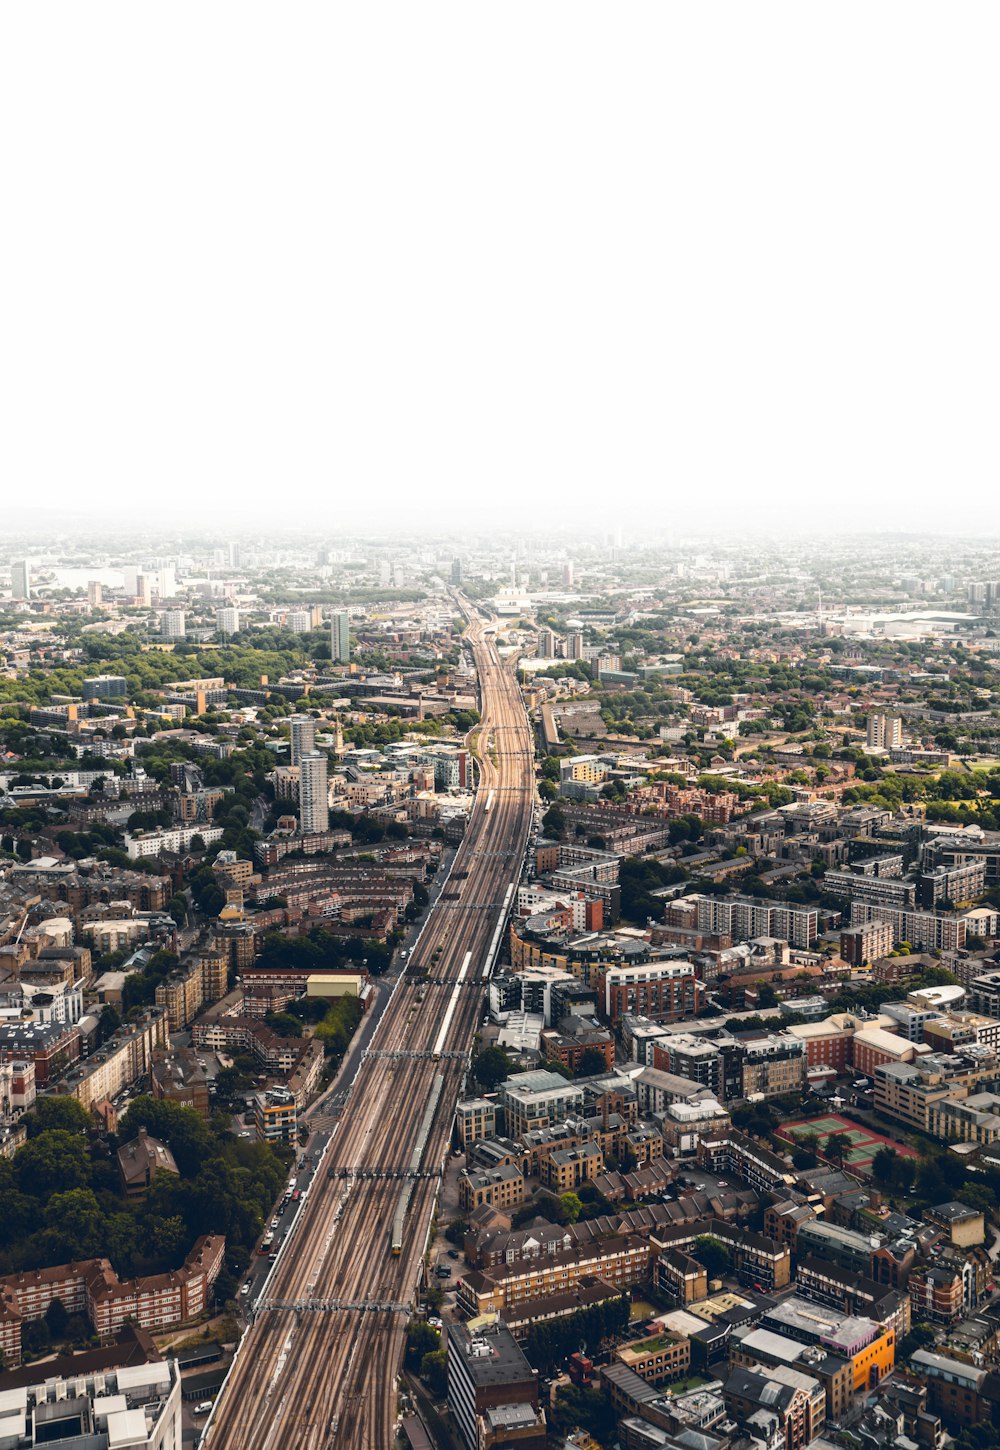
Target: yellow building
x,y
564,1169
275,1116
501,1187
664,1357
181,996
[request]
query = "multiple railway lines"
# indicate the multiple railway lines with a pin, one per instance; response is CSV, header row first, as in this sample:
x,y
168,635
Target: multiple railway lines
x,y
319,1364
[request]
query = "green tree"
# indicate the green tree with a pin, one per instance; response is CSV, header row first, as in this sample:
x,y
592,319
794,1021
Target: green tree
x,y
74,1224
56,1319
572,1206
588,1408
490,1067
836,1147
184,1133
434,1371
421,1339
712,1254
57,1161
59,1114
882,1165
554,822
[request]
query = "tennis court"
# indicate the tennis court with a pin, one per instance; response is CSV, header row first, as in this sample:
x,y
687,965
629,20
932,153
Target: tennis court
x,y
864,1142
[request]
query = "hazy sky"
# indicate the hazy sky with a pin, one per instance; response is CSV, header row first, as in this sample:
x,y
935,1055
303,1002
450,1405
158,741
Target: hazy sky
x,y
372,260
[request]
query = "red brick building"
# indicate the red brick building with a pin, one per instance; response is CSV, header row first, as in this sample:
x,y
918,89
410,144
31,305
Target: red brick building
x,y
92,1287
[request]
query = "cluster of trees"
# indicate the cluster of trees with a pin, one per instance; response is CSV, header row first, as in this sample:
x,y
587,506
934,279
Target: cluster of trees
x,y
549,1344
854,997
638,878
94,841
241,664
892,1171
139,989
590,1409
320,950
490,1067
63,1201
713,1255
338,1025
426,1357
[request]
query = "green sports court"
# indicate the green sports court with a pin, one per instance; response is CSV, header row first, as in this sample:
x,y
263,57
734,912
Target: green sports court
x,y
865,1142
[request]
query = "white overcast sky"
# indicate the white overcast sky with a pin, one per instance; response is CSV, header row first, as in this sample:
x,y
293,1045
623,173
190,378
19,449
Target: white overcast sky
x,y
707,262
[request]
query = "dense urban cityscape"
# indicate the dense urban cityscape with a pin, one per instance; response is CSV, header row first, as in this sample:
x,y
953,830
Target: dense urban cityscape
x,y
485,990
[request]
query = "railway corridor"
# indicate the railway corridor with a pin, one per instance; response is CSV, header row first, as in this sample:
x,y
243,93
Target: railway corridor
x,y
318,1366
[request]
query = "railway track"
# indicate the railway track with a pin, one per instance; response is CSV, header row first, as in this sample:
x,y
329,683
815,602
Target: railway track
x,y
319,1364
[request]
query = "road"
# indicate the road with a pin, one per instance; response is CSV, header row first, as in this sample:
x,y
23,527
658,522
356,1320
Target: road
x,y
319,1365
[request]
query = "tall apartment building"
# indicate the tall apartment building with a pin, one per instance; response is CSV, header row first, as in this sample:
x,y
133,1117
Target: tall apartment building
x,y
299,621
120,1061
456,571
924,930
546,644
536,1099
951,883
95,593
20,579
227,620
878,890
314,810
173,624
884,731
105,687
795,1402
664,991
686,1055
303,730
492,1389
340,638
861,945
763,1065
743,917
275,1115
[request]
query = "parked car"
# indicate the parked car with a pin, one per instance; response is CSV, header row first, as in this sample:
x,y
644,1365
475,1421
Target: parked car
x,y
203,1408
453,1253
245,1289
443,1271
